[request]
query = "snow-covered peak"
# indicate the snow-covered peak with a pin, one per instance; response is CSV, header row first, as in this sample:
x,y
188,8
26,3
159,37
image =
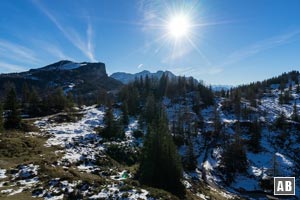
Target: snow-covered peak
x,y
63,65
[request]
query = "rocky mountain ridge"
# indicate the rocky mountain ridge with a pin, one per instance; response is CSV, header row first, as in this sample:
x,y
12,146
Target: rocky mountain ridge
x,y
81,78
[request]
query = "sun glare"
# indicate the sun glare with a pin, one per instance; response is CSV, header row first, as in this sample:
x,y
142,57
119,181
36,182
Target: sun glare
x,y
179,26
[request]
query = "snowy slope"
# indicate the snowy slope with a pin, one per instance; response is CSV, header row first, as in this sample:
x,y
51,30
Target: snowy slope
x,y
63,65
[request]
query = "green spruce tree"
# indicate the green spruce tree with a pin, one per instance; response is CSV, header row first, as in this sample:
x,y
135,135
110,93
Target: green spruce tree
x,y
190,162
109,123
1,118
255,137
113,128
13,118
160,163
234,158
295,115
34,103
125,117
217,121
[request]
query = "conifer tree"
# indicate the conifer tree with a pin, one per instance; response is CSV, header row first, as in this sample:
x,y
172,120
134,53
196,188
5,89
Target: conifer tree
x,y
280,121
125,117
1,117
108,122
281,99
118,132
255,137
196,103
151,110
34,103
295,115
13,119
133,100
25,94
237,103
190,161
234,159
163,84
160,163
113,128
282,85
275,166
147,84
69,101
58,99
286,97
217,121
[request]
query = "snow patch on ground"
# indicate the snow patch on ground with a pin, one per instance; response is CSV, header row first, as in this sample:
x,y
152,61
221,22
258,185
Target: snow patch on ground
x,y
79,138
202,196
24,176
263,163
16,191
2,173
113,192
64,133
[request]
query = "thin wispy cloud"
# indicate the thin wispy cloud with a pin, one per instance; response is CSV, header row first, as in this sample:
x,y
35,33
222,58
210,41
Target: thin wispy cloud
x,y
181,70
84,45
140,66
251,50
177,53
196,71
261,46
90,47
11,50
7,67
57,52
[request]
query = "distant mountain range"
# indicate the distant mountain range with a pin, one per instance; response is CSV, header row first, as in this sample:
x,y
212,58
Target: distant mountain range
x,y
221,87
127,77
83,78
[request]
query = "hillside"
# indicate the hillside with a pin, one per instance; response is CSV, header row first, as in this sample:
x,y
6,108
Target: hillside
x,y
208,145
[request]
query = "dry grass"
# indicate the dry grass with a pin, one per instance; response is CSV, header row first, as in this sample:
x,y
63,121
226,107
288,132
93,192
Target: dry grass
x,y
21,148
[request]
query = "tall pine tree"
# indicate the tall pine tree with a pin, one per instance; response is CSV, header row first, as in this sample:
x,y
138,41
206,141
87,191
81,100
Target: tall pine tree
x,y
160,163
295,115
190,162
13,119
113,128
255,137
234,158
125,117
1,118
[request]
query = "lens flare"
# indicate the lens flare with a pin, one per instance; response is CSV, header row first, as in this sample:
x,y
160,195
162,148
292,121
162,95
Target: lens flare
x,y
179,26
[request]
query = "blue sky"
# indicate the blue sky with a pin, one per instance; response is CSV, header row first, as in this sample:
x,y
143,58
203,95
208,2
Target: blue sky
x,y
230,41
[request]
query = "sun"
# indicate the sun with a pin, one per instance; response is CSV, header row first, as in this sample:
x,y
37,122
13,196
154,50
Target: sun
x,y
179,26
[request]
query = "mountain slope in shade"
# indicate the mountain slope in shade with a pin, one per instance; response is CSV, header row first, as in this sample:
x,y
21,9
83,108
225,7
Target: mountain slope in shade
x,y
81,78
